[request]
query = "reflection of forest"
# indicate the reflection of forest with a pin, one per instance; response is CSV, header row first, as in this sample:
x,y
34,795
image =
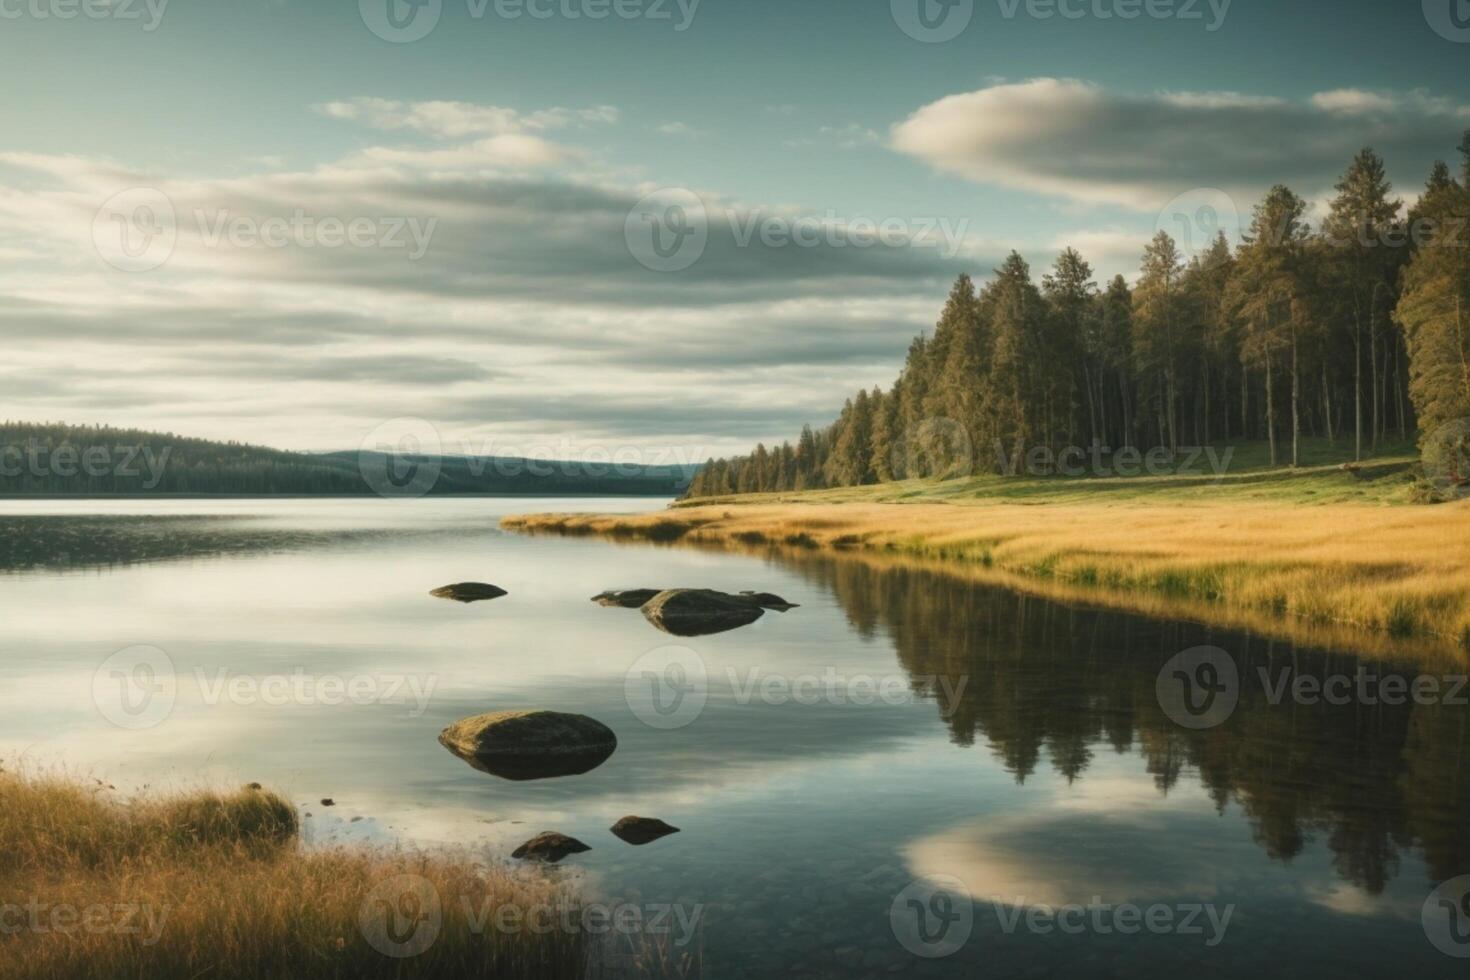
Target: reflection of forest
x,y
1373,779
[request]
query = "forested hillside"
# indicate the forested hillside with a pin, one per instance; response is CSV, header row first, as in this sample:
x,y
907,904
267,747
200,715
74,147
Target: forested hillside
x,y
1357,331
63,460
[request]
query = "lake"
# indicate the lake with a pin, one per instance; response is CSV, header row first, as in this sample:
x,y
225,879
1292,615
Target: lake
x,y
908,774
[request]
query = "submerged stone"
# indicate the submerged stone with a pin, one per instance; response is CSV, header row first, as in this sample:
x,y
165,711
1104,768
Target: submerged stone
x,y
642,830
700,612
550,847
469,592
523,745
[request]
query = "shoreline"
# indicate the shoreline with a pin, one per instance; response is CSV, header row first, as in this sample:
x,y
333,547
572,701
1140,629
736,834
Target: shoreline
x,y
1386,581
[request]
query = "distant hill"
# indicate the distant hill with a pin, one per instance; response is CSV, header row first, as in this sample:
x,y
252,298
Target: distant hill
x,y
57,460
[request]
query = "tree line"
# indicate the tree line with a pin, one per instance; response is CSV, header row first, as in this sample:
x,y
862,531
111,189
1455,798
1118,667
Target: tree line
x,y
56,459
1357,331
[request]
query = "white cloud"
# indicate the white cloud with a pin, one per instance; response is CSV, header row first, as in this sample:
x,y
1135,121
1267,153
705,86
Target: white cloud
x,y
1077,141
527,319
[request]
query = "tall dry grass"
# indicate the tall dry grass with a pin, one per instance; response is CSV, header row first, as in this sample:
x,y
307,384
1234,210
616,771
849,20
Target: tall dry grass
x,y
1378,578
97,887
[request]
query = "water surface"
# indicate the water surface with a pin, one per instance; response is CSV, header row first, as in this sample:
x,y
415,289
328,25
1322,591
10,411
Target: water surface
x,y
898,726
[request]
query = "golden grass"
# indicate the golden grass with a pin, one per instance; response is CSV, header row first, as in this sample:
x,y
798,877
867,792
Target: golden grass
x,y
216,885
1378,579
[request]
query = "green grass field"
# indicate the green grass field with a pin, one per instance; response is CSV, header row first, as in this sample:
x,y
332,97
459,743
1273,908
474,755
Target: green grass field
x,y
1246,475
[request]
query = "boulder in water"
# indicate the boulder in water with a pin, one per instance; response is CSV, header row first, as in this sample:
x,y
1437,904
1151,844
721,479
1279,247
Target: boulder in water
x,y
469,592
642,830
523,745
550,847
700,612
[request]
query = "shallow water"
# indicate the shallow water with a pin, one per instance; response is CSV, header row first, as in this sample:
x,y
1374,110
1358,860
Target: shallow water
x,y
907,774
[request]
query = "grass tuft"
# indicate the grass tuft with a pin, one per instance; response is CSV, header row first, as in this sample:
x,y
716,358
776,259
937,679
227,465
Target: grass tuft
x,y
95,886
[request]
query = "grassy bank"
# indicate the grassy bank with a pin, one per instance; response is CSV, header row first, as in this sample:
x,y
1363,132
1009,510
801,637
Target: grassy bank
x,y
216,885
1321,555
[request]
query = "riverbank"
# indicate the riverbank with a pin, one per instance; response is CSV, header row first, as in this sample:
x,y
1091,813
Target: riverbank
x,y
1261,555
96,886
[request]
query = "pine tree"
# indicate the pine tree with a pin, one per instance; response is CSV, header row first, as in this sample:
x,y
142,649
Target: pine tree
x,y
1158,332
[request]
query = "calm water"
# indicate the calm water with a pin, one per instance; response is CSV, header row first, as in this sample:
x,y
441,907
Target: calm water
x,y
899,725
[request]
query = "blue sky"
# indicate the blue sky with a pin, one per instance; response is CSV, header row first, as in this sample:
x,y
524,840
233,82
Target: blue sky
x,y
523,324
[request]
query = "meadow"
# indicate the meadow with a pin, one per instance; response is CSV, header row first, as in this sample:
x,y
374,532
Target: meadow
x,y
1324,553
98,886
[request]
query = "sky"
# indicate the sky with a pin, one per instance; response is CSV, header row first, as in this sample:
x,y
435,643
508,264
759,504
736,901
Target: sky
x,y
639,229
